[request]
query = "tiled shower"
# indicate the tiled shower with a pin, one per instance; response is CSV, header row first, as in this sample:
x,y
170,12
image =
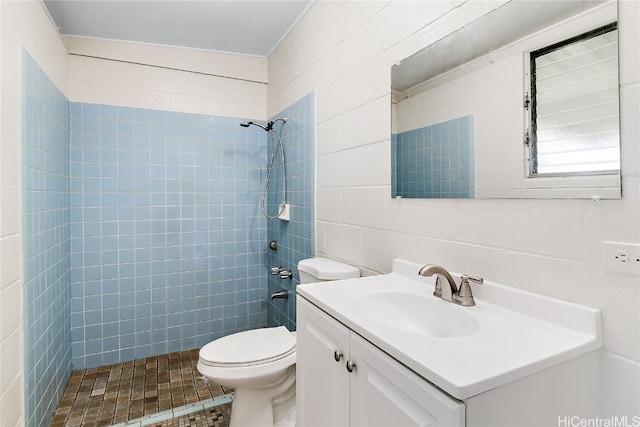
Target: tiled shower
x,y
166,234
295,237
143,231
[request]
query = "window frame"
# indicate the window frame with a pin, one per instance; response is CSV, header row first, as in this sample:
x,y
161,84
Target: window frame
x,y
530,104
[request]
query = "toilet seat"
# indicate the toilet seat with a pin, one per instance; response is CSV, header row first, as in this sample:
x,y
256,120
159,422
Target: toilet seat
x,y
249,348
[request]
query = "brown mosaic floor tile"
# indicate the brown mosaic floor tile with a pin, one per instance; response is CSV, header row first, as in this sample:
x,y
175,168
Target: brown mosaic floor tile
x,y
124,391
214,417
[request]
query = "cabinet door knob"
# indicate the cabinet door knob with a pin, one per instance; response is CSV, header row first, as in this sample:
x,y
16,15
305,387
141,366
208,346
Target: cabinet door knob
x,y
337,355
351,366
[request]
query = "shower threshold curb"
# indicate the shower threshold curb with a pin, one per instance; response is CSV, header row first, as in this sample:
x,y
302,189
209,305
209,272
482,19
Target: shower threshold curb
x,y
177,412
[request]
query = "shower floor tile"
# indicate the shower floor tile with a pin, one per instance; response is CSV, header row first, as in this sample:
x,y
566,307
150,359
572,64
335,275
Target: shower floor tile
x,y
125,391
213,417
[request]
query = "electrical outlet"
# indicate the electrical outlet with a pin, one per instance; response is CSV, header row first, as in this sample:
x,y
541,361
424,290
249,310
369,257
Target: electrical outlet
x,y
621,257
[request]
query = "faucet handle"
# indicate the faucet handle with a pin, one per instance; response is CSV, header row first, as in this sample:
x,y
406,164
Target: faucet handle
x,y
465,297
276,270
475,279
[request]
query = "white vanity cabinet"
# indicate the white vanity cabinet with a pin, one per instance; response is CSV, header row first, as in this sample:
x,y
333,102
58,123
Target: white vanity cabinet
x,y
342,379
514,359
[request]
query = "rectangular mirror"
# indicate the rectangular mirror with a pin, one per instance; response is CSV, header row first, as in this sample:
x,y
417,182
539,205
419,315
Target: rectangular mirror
x,y
531,84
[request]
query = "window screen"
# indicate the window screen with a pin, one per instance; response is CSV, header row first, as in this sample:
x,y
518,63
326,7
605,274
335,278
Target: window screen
x,y
574,105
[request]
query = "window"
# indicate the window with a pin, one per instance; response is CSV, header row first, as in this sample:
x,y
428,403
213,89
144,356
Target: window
x,y
573,106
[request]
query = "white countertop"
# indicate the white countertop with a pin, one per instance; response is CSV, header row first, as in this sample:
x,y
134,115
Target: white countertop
x,y
519,332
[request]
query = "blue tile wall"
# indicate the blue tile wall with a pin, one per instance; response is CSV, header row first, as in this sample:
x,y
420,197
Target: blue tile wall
x,y
167,239
46,237
435,161
295,237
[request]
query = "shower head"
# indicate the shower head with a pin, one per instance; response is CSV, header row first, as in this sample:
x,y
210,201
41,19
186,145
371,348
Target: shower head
x,y
247,124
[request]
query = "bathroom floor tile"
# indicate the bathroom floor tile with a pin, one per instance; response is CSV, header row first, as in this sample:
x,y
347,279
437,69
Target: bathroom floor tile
x,y
212,417
116,393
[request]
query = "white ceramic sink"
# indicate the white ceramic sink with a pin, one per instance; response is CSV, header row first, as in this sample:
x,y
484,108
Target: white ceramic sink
x,y
465,351
419,314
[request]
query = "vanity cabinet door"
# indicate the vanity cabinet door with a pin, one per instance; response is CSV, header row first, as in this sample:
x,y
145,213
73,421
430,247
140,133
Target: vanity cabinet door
x,y
324,398
385,393
365,386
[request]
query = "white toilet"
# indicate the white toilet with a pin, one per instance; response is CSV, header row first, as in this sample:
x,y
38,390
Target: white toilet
x,y
260,363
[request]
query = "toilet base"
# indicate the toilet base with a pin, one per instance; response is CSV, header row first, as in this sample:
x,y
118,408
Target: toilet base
x,y
268,405
285,417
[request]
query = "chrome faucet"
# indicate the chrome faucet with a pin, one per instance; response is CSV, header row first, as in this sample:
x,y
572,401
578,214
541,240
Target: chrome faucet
x,y
451,293
280,294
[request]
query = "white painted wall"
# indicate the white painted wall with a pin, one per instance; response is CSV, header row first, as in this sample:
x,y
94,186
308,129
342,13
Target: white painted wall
x,y
22,24
344,51
166,78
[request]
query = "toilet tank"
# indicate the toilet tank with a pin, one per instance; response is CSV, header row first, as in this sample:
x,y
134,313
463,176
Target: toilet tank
x,y
324,269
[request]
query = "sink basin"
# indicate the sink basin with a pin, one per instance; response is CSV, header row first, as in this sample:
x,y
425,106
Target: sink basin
x,y
417,314
510,333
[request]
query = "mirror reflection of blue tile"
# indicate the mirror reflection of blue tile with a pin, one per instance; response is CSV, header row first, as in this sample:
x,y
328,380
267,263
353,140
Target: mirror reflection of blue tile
x,y
435,161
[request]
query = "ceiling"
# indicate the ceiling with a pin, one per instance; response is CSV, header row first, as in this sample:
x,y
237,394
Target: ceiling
x,y
247,27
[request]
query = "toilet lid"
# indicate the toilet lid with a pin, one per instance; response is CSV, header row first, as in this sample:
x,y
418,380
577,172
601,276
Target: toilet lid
x,y
251,347
328,269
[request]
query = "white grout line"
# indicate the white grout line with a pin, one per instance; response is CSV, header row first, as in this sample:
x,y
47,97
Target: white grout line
x,y
177,412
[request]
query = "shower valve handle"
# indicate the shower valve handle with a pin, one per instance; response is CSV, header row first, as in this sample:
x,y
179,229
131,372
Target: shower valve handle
x,y
286,274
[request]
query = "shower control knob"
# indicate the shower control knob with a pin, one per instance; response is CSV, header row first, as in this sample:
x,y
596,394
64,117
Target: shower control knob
x,y
286,274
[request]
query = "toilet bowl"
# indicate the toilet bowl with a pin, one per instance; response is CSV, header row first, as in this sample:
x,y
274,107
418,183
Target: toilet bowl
x,y
259,364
